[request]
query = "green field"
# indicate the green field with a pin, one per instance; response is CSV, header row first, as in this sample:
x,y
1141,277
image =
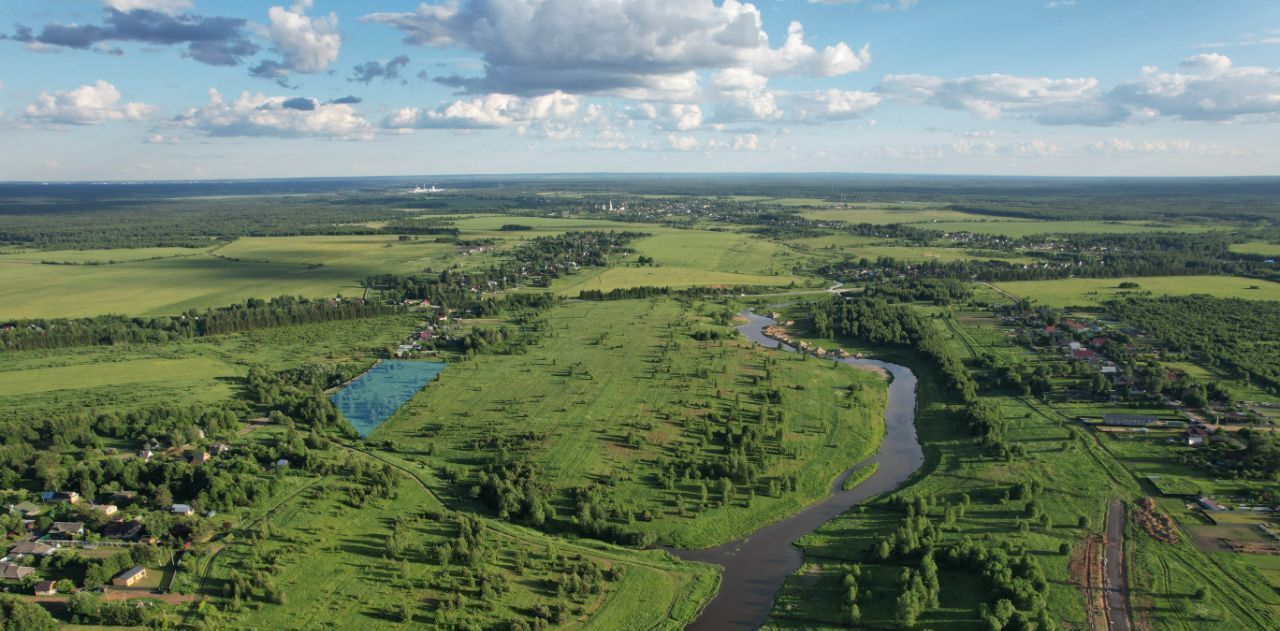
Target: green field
x,y
96,257
610,371
853,246
890,214
1095,291
1024,228
1261,248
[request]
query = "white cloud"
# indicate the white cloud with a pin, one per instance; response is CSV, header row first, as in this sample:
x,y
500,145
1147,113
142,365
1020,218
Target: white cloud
x,y
685,117
746,142
987,96
832,105
161,139
305,44
170,7
682,143
261,115
488,112
610,46
1206,87
86,105
741,94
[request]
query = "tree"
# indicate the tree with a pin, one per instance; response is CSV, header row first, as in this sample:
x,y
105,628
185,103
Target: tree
x,y
20,615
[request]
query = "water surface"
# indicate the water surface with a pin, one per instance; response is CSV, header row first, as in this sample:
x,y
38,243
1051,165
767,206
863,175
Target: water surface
x,y
374,396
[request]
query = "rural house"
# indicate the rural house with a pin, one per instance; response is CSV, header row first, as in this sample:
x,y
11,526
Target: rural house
x,y
66,529
33,548
45,588
130,576
14,572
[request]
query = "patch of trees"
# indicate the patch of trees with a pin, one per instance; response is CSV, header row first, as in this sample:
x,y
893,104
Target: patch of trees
x,y
1014,578
879,322
298,396
110,330
533,264
647,291
1239,336
20,614
1249,453
939,291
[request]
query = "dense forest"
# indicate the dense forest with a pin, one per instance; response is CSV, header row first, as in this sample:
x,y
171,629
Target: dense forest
x,y
110,330
1239,336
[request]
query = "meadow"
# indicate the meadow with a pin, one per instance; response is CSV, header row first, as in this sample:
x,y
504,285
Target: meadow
x,y
1025,228
1260,248
854,246
881,214
617,385
1086,292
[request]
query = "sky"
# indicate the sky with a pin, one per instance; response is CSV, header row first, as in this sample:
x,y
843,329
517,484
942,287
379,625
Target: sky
x,y
204,89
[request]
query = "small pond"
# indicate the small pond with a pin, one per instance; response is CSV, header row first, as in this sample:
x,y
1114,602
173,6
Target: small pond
x,y
374,396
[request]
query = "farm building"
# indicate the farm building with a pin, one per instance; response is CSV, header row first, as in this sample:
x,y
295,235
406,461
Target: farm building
x,y
1209,504
60,497
130,576
66,529
123,530
33,548
105,509
45,588
14,572
1128,420
25,509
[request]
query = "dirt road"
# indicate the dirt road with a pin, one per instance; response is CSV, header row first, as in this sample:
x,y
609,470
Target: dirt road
x,y
1115,575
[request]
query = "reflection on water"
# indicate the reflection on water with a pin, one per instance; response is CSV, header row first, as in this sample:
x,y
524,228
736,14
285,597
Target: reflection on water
x,y
756,565
374,396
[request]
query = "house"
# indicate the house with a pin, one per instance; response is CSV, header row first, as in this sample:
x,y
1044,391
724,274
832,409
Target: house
x,y
32,548
46,588
123,530
1073,325
60,497
1084,354
105,509
218,449
123,497
14,572
1128,420
182,509
1209,504
1197,435
145,454
1098,342
25,509
130,576
199,457
282,463
66,529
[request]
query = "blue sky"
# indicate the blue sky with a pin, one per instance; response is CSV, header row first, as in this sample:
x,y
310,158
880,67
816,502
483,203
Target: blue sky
x,y
187,89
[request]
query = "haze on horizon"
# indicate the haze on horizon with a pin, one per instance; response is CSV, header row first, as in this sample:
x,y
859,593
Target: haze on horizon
x,y
193,89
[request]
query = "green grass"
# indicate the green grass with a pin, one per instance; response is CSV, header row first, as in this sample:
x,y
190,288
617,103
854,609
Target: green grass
x,y
636,369
97,256
890,214
1095,291
206,370
1260,248
331,563
1024,228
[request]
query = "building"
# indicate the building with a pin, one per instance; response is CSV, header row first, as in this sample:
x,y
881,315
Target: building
x,y
46,588
33,548
123,530
199,457
60,497
1209,504
218,449
14,572
1198,435
1128,420
182,509
66,529
105,509
25,509
130,577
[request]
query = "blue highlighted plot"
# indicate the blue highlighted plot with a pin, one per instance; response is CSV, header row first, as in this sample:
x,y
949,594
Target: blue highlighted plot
x,y
373,397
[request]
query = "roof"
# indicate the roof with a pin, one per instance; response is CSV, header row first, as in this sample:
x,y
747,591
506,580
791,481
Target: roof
x,y
45,586
31,547
132,572
122,530
13,571
1123,419
181,508
69,527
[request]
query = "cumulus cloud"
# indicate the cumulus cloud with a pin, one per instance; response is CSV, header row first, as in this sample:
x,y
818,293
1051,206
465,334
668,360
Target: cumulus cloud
x,y
832,105
987,96
161,139
86,105
368,71
274,116
216,41
742,94
611,46
1206,87
682,143
305,44
171,7
490,111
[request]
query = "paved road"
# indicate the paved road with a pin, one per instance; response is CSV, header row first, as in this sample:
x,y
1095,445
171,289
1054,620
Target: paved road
x,y
1115,584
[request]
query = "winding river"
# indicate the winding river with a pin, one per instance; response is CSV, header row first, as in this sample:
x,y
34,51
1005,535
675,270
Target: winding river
x,y
756,565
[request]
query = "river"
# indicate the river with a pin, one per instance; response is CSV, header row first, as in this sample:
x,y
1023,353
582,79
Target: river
x,y
756,565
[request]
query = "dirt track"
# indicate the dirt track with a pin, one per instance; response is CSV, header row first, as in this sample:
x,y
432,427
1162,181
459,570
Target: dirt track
x,y
1115,575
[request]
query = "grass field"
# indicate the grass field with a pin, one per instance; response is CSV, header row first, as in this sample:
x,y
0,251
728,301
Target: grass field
x,y
618,368
1094,291
329,559
206,370
853,246
1261,248
890,214
96,256
1024,228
